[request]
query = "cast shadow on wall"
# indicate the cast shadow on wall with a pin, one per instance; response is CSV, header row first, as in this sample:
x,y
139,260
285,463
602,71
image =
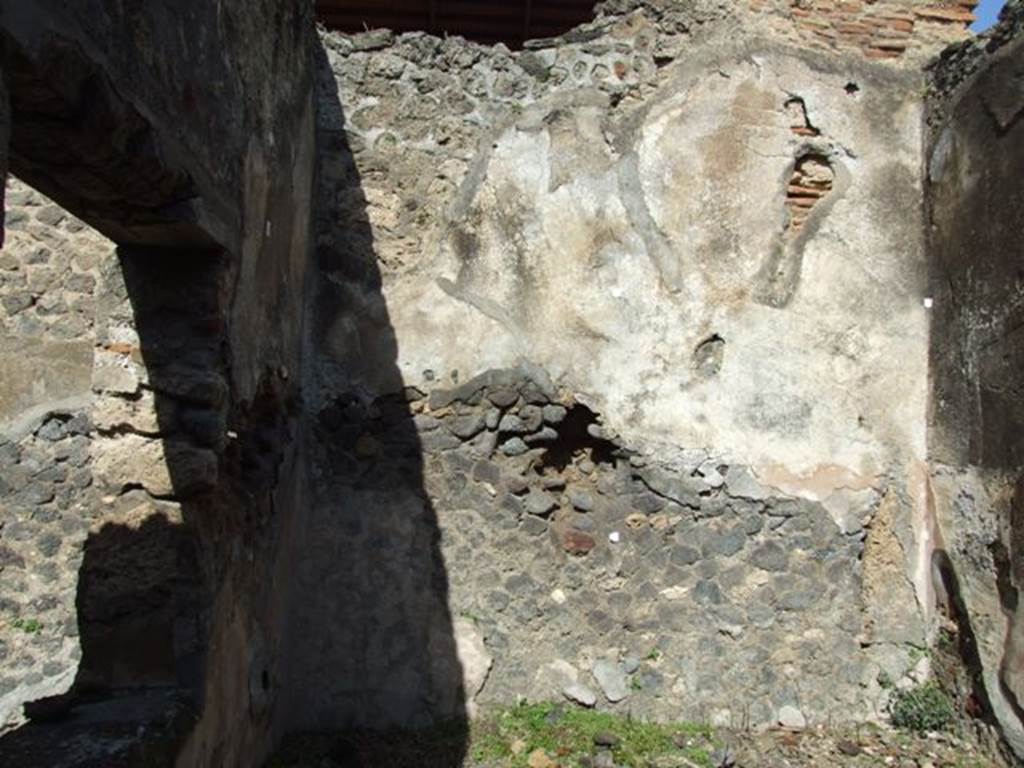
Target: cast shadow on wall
x,y
178,592
372,641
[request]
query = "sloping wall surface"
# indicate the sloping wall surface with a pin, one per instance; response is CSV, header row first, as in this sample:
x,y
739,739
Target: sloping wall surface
x,y
976,215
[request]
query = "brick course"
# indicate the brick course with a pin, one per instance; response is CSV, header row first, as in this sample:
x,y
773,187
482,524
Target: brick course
x,y
879,29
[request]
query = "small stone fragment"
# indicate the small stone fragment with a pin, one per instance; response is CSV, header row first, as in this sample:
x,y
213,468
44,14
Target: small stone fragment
x,y
539,503
532,417
612,679
512,423
580,694
605,739
517,484
492,418
740,482
791,717
581,500
554,414
546,435
770,556
556,483
514,447
465,427
503,398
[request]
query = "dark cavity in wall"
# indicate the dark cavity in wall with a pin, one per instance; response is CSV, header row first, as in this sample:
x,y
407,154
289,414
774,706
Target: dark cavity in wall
x,y
799,122
708,356
579,435
511,22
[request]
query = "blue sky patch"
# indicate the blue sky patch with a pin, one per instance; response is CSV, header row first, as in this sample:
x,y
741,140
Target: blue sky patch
x,y
987,13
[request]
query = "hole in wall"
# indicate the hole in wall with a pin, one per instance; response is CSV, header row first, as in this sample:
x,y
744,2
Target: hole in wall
x,y
851,88
708,356
511,22
799,122
811,181
579,437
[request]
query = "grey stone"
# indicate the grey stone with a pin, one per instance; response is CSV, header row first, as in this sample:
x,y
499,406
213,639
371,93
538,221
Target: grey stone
x,y
612,679
539,503
514,447
605,739
372,40
706,592
740,482
424,422
53,430
503,398
554,414
534,526
724,543
492,418
792,717
580,693
517,484
80,283
532,416
467,426
546,435
682,489
553,483
631,664
486,472
648,503
684,555
581,500
770,556
512,423
439,441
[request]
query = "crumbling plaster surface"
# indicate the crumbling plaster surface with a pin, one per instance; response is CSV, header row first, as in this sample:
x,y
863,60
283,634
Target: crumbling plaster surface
x,y
612,213
607,244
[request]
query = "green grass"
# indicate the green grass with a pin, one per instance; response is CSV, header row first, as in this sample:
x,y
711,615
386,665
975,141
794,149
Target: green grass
x,y
567,733
921,709
29,626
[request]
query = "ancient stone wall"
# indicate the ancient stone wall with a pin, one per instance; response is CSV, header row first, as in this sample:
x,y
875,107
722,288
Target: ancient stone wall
x,y
101,572
704,249
178,382
50,270
624,376
977,454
